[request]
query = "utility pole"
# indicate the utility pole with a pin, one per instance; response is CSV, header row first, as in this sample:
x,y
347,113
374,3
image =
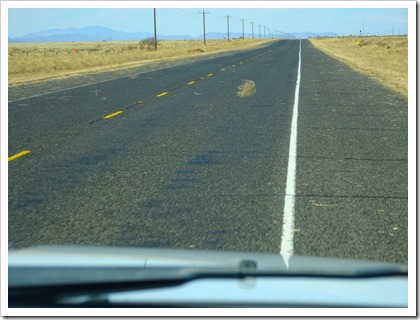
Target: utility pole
x,y
363,28
228,25
264,33
252,29
204,24
259,26
268,32
243,30
154,14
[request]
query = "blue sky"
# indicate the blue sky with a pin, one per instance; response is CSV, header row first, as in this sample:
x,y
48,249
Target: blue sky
x,y
172,21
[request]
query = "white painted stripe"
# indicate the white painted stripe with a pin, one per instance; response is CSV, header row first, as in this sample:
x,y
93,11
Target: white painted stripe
x,y
286,249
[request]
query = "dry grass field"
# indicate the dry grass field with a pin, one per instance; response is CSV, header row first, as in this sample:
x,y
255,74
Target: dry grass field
x,y
29,62
383,58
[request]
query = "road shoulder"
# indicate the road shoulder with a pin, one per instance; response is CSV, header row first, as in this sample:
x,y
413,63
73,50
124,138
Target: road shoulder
x,y
352,164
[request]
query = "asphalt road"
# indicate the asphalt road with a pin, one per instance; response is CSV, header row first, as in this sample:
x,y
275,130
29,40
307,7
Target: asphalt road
x,y
175,158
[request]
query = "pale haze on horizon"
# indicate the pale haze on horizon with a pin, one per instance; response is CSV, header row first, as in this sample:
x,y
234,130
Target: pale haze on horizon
x,y
186,21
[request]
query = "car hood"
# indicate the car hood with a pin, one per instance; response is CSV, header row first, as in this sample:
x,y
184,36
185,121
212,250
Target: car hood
x,y
208,278
68,256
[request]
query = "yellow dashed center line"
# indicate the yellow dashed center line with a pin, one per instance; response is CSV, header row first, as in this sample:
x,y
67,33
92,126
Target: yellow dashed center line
x,y
112,114
18,155
25,152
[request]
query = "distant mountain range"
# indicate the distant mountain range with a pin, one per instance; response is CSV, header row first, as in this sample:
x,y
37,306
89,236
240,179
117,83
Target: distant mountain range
x,y
105,34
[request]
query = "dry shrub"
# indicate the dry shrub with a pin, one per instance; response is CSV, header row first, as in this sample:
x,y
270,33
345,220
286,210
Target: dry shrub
x,y
196,50
246,89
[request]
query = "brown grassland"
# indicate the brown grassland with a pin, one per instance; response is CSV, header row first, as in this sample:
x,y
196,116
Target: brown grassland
x,y
382,58
29,62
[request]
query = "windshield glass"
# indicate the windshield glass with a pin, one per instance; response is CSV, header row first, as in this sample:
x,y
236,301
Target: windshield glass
x,y
271,130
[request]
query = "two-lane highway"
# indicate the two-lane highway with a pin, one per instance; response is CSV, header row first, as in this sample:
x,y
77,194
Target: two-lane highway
x,y
197,156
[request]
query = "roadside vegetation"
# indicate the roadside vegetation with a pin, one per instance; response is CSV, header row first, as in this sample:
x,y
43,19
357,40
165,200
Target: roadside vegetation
x,y
382,58
30,62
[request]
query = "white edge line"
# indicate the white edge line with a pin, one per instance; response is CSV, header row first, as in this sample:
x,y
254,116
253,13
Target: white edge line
x,y
286,249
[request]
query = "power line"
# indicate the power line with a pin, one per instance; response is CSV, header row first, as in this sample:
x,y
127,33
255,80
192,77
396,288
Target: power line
x,y
181,11
269,31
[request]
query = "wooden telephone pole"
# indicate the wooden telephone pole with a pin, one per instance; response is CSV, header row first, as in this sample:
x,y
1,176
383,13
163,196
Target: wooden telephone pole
x,y
154,13
204,24
228,25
